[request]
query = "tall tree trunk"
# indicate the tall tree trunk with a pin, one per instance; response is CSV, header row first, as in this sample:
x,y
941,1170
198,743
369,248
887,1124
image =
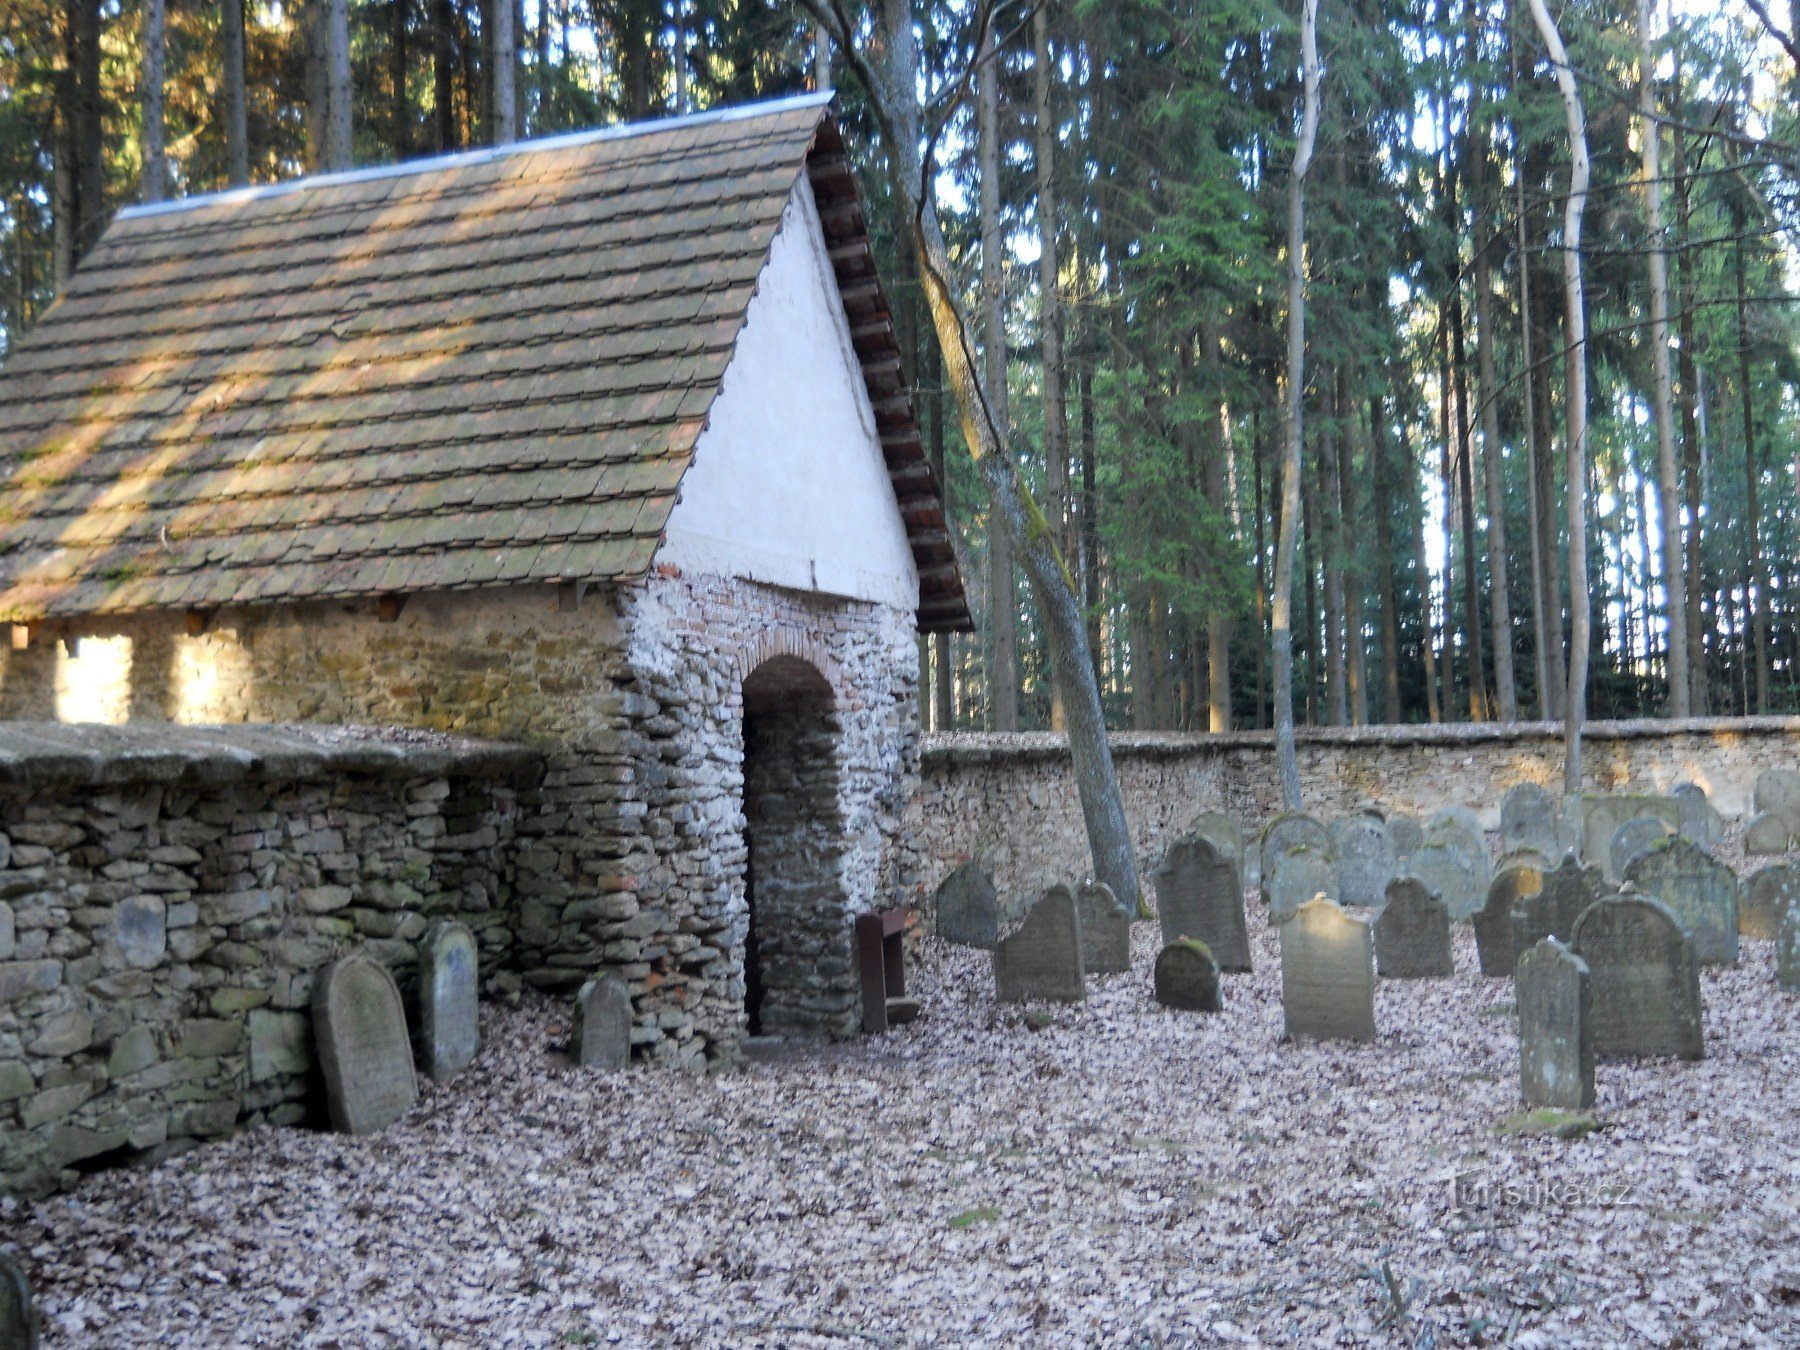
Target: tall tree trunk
x,y
1328,513
1090,518
1380,473
1218,617
237,126
1356,666
1668,510
1700,700
336,37
821,71
1002,606
1575,325
1427,625
1261,515
944,716
156,164
1056,425
443,74
1756,589
1542,599
892,85
399,69
1506,696
503,69
1294,391
1465,486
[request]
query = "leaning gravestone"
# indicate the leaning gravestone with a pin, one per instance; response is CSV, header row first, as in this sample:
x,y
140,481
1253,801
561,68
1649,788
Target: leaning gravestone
x,y
1105,929
1494,936
1292,829
1365,859
1327,974
1787,950
1778,793
602,1038
1530,817
1222,832
359,1025
1645,981
449,1004
1556,1041
1187,977
1772,892
1412,933
1633,840
1407,834
1700,821
1199,895
1563,898
1300,874
1767,834
18,1314
1041,958
968,908
1601,813
1699,890
1452,874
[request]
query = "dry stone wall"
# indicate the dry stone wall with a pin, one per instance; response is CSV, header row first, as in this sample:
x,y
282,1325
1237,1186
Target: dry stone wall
x,y
169,895
1011,799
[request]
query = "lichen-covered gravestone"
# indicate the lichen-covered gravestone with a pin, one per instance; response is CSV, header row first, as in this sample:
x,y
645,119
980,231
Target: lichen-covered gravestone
x,y
1457,877
1530,817
1041,958
18,1313
1565,895
1187,977
1407,834
1787,950
968,908
1633,840
602,1038
1768,834
1412,933
1292,829
1199,895
1601,813
1494,936
449,1001
1327,974
1778,793
359,1025
1222,832
1645,981
1699,890
1462,818
1556,1043
1105,929
1771,893
1365,859
1300,874
1700,820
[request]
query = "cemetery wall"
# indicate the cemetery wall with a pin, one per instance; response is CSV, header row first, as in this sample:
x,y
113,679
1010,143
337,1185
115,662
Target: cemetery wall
x,y
167,896
1011,798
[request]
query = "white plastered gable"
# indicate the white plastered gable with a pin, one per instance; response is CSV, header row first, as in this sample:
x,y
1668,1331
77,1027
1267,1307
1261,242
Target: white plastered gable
x,y
788,484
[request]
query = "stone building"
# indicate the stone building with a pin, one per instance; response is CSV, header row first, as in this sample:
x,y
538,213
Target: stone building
x,y
599,444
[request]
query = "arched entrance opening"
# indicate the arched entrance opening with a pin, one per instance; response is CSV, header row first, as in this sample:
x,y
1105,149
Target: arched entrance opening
x,y
796,956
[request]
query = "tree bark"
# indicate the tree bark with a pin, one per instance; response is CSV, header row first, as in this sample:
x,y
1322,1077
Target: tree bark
x,y
1328,512
1002,605
503,68
821,69
1575,326
336,146
1056,425
1465,487
1701,699
1506,695
1756,590
1356,666
399,67
443,73
156,165
1294,393
1427,626
1542,599
1380,472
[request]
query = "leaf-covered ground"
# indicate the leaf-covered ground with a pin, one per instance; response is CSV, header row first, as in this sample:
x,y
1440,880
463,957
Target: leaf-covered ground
x,y
1125,1175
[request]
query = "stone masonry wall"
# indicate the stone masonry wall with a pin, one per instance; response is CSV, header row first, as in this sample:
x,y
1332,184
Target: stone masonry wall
x,y
166,898
1012,800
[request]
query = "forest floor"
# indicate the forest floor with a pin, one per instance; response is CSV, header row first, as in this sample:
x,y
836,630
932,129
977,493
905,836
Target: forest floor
x,y
1125,1175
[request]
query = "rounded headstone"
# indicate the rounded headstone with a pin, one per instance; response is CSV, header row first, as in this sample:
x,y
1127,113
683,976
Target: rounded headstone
x,y
1494,934
1200,895
1187,977
1566,892
968,908
1771,894
1300,875
1767,834
1556,1043
602,1038
1778,792
449,999
1645,981
1221,831
359,1026
1699,890
1041,958
1105,929
1634,839
1412,933
1365,859
1699,820
1453,875
1525,857
1293,829
1327,974
1531,817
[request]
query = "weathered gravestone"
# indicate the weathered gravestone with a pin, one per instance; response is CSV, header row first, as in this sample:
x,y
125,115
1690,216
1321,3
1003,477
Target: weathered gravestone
x,y
1601,813
1524,857
968,908
1645,981
1187,977
1463,818
1407,834
1778,793
1450,872
1222,832
1531,817
1771,893
1327,974
1700,821
1633,840
1556,1041
1699,890
1199,895
359,1025
1300,874
1412,933
1105,929
1041,958
449,1001
1365,859
1494,936
18,1313
1768,834
1787,949
1293,829
1566,893
602,1037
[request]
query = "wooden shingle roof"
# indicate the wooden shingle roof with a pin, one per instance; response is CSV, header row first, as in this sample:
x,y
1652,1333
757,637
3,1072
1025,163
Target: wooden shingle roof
x,y
482,370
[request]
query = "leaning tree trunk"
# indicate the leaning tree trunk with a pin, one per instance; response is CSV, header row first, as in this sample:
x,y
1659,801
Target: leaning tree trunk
x,y
1575,320
892,84
1281,638
1668,507
156,165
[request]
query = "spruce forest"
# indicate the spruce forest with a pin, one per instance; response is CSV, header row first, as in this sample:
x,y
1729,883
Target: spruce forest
x,y
1448,347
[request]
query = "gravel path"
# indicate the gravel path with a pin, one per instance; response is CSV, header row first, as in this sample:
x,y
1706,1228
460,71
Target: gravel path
x,y
1125,1176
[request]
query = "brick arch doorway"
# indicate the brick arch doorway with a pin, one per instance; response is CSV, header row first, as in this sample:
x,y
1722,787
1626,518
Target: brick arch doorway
x,y
796,955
